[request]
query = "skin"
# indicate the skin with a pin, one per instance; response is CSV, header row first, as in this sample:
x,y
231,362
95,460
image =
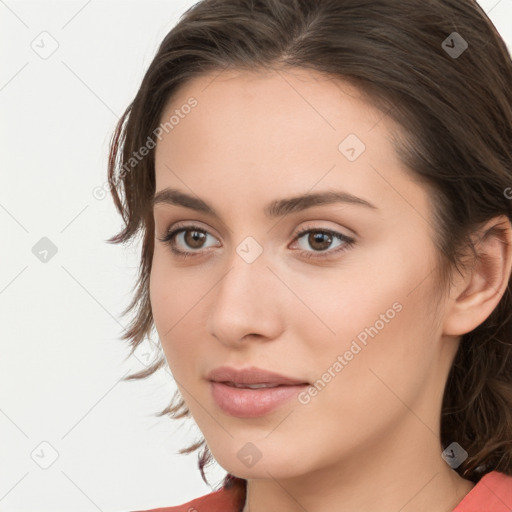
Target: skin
x,y
371,436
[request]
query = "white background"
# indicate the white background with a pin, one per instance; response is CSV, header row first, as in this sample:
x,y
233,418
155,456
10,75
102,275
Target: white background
x,y
62,358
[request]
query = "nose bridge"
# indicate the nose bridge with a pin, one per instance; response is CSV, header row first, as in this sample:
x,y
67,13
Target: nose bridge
x,y
245,299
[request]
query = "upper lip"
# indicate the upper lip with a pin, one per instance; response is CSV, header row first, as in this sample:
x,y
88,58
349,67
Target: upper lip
x,y
252,375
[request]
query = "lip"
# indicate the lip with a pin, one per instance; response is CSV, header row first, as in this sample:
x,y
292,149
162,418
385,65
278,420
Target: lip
x,y
251,403
251,375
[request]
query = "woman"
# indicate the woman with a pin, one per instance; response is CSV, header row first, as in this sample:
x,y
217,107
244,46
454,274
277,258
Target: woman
x,y
324,194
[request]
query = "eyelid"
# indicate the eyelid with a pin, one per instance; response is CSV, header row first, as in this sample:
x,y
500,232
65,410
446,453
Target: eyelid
x,y
188,224
346,241
319,225
310,226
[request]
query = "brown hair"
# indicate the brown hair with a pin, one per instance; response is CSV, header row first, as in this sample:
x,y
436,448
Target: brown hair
x,y
455,111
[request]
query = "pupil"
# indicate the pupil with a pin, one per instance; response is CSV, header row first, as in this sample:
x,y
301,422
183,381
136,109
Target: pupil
x,y
195,239
317,237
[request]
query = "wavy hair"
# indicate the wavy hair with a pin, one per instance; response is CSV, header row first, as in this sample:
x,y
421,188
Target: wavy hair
x,y
455,115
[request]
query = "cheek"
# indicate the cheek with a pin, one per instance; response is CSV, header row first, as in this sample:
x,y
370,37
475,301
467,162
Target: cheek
x,y
175,303
384,346
171,293
376,315
372,309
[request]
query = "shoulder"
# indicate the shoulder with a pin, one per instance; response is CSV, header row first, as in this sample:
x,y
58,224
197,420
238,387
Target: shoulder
x,y
222,500
492,493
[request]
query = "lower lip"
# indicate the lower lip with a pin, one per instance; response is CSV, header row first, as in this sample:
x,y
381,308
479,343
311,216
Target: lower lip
x,y
251,403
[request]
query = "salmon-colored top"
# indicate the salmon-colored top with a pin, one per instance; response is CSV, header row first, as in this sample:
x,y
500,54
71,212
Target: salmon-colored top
x,y
493,493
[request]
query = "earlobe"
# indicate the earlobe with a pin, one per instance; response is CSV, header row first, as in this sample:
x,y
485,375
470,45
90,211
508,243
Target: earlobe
x,y
474,297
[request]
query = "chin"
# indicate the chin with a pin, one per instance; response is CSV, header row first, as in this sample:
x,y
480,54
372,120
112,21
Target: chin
x,y
274,466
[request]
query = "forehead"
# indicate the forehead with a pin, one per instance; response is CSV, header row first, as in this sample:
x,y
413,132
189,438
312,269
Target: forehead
x,y
278,116
306,101
280,133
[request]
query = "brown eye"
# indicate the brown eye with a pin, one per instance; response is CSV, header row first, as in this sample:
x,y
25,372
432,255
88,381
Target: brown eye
x,y
319,240
194,238
186,237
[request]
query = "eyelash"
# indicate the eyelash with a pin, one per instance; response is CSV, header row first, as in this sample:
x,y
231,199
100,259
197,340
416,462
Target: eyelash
x,y
348,242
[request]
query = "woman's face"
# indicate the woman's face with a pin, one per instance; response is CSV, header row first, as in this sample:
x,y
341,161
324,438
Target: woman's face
x,y
352,313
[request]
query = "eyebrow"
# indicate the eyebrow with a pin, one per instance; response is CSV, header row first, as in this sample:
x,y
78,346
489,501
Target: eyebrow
x,y
277,208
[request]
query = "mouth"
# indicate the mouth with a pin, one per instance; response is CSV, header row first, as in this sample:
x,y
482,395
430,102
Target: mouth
x,y
252,400
258,385
251,377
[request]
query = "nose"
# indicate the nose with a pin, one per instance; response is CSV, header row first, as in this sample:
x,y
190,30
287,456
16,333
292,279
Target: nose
x,y
246,303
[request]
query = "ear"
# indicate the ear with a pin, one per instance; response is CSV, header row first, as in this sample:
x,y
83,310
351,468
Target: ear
x,y
475,295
